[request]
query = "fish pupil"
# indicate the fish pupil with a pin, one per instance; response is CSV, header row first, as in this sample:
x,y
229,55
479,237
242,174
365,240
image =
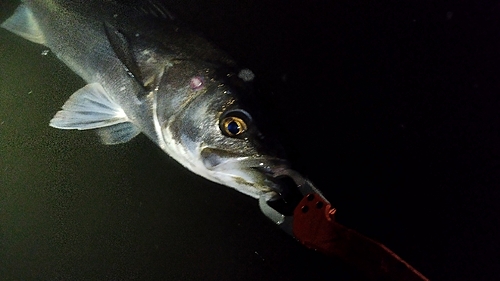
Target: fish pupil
x,y
233,127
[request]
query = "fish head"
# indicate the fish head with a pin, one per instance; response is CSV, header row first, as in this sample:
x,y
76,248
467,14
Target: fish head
x,y
210,124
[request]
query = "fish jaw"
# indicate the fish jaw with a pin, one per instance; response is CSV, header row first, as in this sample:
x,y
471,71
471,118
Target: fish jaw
x,y
250,175
253,176
256,171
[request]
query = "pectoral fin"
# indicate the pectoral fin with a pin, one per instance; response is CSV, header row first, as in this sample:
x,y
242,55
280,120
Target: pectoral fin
x,y
23,23
119,133
92,108
89,108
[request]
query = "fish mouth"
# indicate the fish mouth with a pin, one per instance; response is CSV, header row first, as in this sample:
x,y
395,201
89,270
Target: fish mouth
x,y
258,170
219,160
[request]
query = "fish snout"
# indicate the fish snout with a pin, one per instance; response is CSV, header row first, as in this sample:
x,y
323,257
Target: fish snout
x,y
275,172
218,159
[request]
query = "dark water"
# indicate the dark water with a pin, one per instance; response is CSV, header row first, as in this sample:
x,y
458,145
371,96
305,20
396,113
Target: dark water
x,y
391,109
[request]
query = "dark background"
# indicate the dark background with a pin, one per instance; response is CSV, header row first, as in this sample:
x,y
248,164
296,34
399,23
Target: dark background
x,y
390,107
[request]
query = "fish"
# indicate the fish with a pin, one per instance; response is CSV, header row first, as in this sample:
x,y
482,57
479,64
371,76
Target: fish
x,y
148,72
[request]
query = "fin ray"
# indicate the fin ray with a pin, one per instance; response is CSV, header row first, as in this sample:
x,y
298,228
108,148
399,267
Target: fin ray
x,y
144,62
120,44
23,23
89,108
119,133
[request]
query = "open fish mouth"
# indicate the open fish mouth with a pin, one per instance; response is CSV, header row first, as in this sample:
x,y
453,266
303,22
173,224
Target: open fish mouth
x,y
220,160
258,170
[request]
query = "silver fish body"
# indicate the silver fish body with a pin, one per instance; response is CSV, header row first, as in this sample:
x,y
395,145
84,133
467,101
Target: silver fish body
x,y
146,72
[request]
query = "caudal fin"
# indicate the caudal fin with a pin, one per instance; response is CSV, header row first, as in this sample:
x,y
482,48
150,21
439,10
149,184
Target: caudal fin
x,y
24,24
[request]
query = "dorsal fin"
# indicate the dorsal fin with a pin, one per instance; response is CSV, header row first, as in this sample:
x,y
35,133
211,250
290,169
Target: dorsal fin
x,y
144,61
121,46
155,9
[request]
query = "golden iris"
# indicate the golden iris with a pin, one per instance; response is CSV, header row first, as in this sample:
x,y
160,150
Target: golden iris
x,y
233,126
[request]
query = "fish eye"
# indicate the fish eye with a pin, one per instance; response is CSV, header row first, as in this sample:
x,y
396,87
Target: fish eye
x,y
235,122
233,126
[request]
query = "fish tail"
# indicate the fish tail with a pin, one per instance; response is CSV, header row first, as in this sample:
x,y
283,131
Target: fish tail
x,y
24,24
